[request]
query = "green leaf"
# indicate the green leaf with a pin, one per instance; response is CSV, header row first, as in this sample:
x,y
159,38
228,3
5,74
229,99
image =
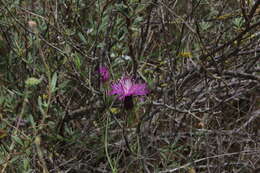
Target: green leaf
x,y
32,81
40,105
17,140
82,38
32,120
54,82
77,62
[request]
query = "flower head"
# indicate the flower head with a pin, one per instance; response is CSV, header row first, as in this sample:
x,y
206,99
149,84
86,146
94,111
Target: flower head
x,y
127,87
104,73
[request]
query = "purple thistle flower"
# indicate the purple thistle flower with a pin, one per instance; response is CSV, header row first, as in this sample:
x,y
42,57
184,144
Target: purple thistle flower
x,y
127,87
104,73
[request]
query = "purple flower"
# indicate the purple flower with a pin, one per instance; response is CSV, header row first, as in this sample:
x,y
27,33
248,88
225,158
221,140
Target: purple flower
x,y
104,73
127,87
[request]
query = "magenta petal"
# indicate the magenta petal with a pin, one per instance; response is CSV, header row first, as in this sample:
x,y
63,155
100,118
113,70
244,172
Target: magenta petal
x,y
126,86
104,73
140,89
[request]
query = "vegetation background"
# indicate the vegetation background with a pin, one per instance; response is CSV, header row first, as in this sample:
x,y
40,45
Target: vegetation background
x,y
200,59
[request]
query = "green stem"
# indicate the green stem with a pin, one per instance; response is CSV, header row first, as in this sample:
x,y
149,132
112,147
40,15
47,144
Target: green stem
x,y
106,146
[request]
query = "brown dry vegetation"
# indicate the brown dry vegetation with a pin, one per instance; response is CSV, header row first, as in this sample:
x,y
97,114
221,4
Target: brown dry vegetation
x,y
200,59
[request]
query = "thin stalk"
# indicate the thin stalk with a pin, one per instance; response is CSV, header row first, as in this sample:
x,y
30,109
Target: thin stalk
x,y
106,146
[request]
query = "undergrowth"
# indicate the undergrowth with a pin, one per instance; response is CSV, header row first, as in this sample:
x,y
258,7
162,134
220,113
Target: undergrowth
x,y
198,58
